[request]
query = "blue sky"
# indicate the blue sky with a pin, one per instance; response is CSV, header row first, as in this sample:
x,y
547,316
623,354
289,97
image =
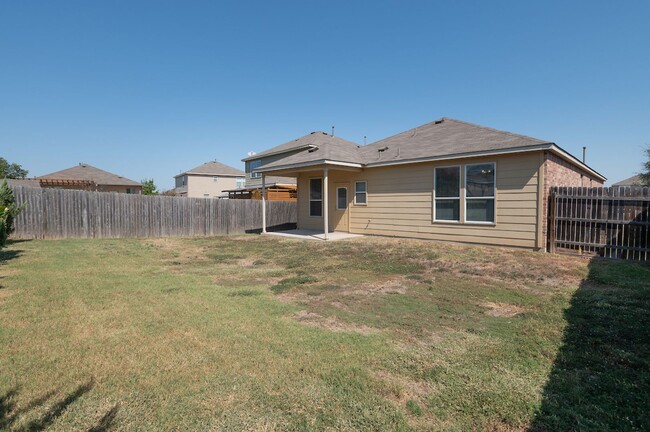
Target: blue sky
x,y
147,89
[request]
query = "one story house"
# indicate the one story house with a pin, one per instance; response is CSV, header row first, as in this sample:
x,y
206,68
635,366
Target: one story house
x,y
446,180
209,180
90,178
629,182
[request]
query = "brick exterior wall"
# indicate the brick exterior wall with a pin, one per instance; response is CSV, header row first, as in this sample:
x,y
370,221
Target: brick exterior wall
x,y
558,172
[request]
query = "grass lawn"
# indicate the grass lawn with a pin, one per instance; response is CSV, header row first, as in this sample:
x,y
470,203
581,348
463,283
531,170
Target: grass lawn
x,y
262,333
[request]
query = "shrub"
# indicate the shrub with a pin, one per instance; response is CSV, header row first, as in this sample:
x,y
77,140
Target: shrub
x,y
8,211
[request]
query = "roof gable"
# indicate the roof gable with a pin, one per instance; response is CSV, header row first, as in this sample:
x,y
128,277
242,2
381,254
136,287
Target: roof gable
x,y
632,181
87,172
214,168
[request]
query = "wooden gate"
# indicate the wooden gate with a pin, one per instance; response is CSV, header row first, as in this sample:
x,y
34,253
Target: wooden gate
x,y
610,222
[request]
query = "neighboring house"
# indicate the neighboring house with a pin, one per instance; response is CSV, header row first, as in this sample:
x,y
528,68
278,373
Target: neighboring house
x,y
446,180
632,181
24,182
87,177
210,180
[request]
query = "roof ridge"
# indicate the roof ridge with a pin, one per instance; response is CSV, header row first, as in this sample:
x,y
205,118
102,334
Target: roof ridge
x,y
404,132
495,130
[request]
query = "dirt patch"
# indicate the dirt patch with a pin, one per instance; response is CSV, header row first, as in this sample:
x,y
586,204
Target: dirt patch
x,y
330,323
407,342
246,262
502,309
392,286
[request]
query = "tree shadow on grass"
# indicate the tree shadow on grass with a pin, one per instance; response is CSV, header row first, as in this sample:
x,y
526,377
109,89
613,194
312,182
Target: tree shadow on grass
x,y
601,376
10,413
8,255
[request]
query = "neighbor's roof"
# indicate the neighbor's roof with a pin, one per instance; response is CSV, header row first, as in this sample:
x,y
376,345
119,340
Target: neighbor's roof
x,y
214,168
441,139
87,172
23,182
632,181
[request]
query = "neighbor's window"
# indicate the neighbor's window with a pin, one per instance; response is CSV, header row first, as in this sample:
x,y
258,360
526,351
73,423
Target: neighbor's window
x,y
252,166
128,190
215,178
446,194
316,197
479,192
240,182
360,192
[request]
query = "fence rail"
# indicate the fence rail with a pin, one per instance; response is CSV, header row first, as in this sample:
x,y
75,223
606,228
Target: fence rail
x,y
611,222
60,213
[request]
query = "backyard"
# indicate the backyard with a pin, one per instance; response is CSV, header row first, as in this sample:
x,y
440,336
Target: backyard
x,y
261,333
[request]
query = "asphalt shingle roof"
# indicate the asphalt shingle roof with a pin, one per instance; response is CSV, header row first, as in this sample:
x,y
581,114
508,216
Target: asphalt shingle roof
x,y
445,137
87,172
632,181
215,168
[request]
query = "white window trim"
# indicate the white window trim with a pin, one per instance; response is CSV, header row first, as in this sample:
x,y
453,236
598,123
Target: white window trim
x,y
320,200
215,178
355,193
460,194
465,198
346,198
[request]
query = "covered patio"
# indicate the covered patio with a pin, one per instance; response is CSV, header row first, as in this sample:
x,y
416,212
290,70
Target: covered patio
x,y
324,209
305,234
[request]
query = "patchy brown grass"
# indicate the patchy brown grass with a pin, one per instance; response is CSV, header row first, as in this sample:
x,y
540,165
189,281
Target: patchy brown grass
x,y
261,333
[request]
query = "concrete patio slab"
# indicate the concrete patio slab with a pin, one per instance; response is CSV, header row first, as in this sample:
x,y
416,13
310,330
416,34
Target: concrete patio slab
x,y
302,234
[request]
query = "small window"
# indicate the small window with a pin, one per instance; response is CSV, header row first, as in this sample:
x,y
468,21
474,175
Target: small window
x,y
446,184
252,166
479,193
341,198
128,190
316,197
240,182
206,195
215,178
360,193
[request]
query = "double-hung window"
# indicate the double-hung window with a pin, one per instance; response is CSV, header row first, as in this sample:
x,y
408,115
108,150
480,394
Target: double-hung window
x,y
252,166
360,193
316,197
480,192
446,205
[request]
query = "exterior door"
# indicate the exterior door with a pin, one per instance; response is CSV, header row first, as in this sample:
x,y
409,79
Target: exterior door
x,y
341,207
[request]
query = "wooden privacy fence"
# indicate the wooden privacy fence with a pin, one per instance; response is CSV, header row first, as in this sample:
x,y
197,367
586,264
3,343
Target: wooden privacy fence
x,y
60,213
611,222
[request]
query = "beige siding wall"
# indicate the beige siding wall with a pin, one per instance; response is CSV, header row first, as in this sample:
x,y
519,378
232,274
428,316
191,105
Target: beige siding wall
x,y
198,186
400,202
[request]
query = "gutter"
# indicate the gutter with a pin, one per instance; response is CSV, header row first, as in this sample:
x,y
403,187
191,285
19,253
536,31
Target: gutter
x,y
263,155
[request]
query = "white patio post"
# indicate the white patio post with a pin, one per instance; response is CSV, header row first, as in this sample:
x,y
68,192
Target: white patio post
x,y
325,203
263,203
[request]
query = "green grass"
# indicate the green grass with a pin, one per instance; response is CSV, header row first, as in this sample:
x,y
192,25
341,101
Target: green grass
x,y
260,333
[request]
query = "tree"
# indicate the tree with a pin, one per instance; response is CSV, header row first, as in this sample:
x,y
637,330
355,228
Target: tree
x,y
645,174
8,211
148,187
11,171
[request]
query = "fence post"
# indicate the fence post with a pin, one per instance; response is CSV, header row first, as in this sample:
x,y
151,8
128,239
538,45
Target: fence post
x,y
552,205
